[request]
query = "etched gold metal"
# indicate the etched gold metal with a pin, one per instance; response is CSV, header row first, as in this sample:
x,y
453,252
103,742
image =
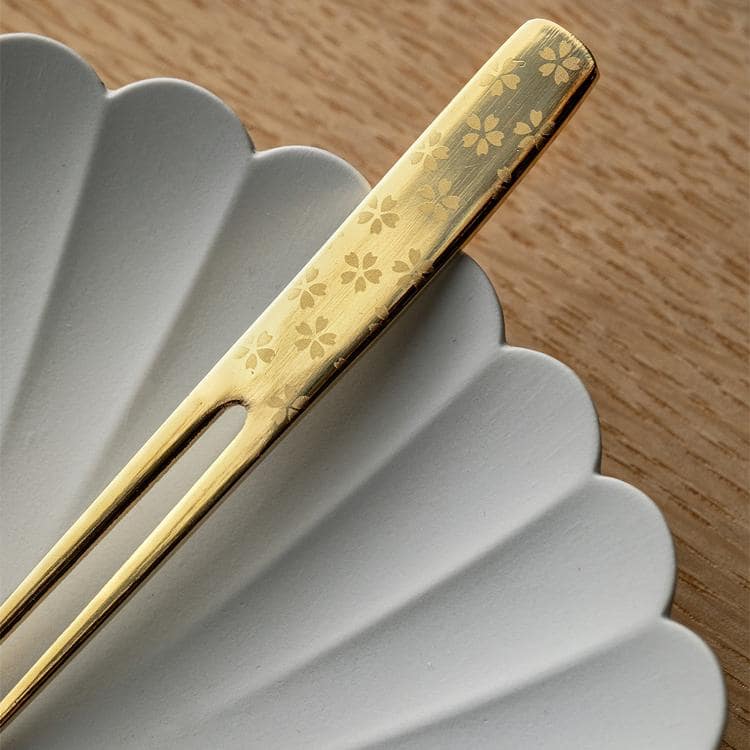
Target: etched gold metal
x,y
412,222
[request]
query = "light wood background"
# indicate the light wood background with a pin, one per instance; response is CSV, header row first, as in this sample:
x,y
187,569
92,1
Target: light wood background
x,y
623,254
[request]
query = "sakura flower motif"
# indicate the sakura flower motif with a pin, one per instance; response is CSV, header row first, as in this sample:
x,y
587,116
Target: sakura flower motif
x,y
559,64
438,202
307,290
533,131
379,215
412,272
363,271
484,134
315,340
502,77
430,152
257,352
288,403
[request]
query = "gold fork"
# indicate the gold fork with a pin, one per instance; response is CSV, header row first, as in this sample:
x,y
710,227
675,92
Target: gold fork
x,y
405,230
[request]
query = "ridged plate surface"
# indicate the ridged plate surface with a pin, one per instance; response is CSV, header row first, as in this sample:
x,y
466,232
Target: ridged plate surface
x,y
430,560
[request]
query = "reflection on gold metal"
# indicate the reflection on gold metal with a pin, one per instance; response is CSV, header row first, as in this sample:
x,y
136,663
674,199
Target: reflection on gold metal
x,y
414,220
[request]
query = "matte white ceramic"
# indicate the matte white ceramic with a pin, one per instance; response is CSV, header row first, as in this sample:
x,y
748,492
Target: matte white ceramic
x,y
430,560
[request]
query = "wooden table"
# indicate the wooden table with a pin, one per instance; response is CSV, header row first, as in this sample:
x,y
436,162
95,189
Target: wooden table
x,y
624,254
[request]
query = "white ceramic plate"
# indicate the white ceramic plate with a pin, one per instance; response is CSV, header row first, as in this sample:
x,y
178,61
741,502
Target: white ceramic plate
x,y
430,560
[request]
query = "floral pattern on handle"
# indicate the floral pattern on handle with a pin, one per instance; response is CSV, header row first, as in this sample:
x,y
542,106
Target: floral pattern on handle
x,y
367,264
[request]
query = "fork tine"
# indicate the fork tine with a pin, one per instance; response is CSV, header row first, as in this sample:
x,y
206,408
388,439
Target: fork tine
x,y
202,497
183,426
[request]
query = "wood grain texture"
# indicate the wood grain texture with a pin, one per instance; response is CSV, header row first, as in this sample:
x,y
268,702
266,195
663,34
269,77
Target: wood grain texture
x,y
623,254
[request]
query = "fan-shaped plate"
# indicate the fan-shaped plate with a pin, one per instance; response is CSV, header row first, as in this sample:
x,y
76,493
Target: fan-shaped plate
x,y
430,560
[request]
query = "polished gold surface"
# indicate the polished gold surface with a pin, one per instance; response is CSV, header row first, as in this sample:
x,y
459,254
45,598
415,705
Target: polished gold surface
x,y
414,220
